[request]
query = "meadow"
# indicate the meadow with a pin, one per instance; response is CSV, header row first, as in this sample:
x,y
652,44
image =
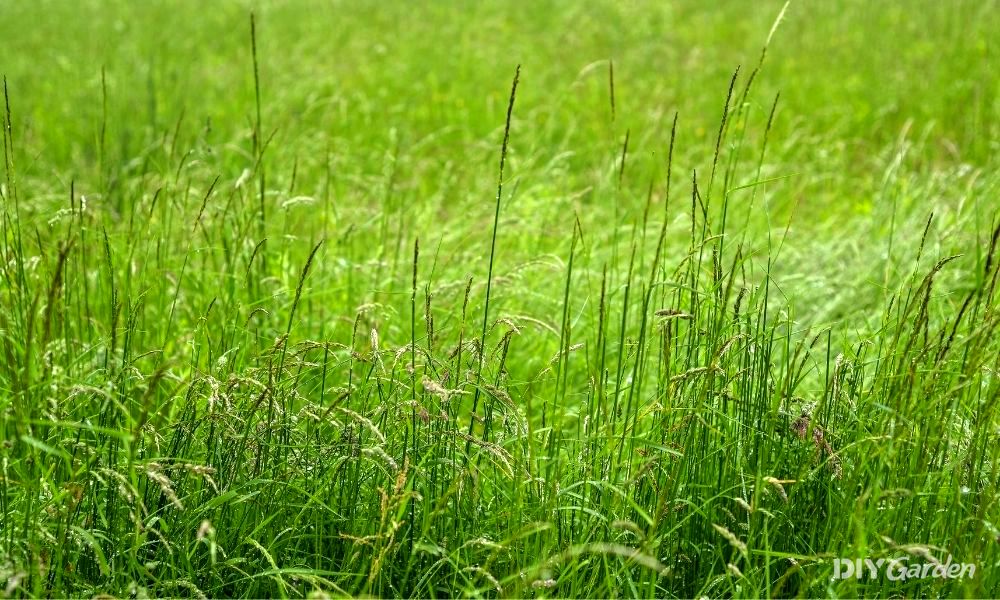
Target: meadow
x,y
498,299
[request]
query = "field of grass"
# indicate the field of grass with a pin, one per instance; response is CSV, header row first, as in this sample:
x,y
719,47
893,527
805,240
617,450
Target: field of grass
x,y
310,299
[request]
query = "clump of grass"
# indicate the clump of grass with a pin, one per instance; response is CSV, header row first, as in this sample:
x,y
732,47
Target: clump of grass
x,y
181,416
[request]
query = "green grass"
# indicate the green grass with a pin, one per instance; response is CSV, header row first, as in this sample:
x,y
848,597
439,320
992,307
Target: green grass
x,y
333,308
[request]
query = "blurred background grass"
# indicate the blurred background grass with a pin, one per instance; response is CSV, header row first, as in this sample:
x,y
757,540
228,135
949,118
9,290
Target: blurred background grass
x,y
390,113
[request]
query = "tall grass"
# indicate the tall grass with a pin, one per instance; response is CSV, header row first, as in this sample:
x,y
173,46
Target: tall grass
x,y
205,393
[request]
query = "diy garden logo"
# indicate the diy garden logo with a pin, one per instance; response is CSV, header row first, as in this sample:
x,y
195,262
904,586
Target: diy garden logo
x,y
900,569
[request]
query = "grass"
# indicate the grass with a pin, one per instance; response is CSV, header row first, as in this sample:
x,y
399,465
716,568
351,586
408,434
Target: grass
x,y
727,335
